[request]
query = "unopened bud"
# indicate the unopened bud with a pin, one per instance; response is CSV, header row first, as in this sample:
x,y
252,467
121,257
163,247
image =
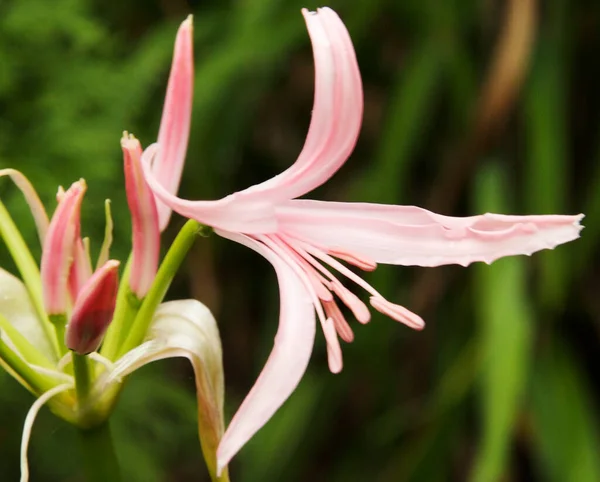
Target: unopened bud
x,y
58,249
144,219
93,310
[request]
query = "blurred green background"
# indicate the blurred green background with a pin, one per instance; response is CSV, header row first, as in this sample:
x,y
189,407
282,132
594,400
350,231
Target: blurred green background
x,y
470,106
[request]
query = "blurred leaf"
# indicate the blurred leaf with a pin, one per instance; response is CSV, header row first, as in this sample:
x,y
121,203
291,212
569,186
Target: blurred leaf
x,y
407,115
565,428
505,320
547,178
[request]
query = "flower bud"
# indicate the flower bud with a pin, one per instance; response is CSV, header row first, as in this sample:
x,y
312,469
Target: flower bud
x,y
58,249
144,219
93,310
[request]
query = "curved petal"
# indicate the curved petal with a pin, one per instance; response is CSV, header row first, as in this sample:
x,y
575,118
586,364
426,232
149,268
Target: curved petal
x,y
337,116
409,235
231,213
185,328
287,362
175,123
337,110
37,208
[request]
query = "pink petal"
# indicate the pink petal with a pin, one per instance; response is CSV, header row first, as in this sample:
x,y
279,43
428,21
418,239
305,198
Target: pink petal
x,y
174,129
58,249
337,110
144,219
232,213
287,362
81,268
337,116
93,310
409,235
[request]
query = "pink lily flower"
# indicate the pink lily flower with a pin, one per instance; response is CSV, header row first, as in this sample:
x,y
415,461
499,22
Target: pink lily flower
x,y
305,240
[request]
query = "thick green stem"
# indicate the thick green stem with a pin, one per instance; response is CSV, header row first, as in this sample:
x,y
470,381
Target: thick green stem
x,y
83,382
99,455
170,265
126,310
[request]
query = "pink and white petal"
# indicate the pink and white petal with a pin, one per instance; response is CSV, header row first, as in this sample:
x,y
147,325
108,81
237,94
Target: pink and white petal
x,y
174,128
337,111
337,117
37,208
408,235
287,362
232,213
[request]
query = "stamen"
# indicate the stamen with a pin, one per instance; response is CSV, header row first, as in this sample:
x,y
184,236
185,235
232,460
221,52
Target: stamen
x,y
334,350
353,302
397,312
358,308
359,261
334,263
294,265
341,325
322,291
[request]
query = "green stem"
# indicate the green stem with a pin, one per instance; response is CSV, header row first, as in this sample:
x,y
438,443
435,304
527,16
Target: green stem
x,y
171,263
81,370
99,455
126,310
29,272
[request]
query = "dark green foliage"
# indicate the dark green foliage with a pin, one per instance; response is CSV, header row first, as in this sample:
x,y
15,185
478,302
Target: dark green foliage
x,y
499,386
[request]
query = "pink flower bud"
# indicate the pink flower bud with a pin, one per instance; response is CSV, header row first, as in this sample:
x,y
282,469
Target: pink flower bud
x,y
93,310
144,219
58,249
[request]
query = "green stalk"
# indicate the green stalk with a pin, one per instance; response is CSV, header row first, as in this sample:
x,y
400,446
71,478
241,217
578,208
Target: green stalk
x,y
171,263
29,272
83,382
126,310
99,455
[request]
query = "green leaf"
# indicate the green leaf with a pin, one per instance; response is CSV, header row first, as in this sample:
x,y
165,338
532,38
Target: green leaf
x,y
504,318
565,427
